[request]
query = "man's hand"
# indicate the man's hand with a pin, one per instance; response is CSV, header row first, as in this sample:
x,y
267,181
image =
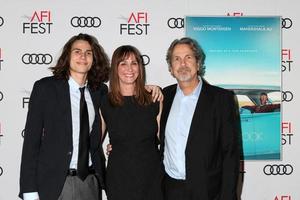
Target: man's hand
x,y
155,91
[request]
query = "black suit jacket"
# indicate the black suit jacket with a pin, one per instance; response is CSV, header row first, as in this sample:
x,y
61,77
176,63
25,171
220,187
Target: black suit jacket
x,y
48,145
212,153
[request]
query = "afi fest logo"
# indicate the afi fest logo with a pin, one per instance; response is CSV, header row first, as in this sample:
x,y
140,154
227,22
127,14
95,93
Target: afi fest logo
x,y
1,59
25,99
286,133
286,60
283,197
39,23
137,24
25,102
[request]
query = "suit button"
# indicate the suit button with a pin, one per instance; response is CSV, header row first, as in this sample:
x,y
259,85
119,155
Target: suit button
x,y
69,153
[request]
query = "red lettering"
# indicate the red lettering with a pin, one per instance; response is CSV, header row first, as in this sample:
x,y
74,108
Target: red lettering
x,y
285,197
286,126
286,52
132,16
41,16
142,15
138,17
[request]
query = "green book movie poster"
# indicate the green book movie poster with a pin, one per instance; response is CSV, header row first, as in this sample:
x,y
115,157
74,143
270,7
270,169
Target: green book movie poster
x,y
243,54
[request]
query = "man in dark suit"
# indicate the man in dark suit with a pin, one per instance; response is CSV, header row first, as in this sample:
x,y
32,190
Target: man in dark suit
x,y
198,132
49,167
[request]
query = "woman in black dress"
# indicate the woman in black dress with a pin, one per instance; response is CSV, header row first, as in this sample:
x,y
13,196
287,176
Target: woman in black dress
x,y
131,119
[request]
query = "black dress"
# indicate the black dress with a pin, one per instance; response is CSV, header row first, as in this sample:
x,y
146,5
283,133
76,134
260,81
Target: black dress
x,y
133,169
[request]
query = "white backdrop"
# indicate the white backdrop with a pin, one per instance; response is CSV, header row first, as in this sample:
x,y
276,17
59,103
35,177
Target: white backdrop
x,y
43,27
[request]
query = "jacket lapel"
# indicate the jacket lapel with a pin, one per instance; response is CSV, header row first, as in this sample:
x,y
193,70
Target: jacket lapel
x,y
169,101
169,95
63,95
94,100
202,108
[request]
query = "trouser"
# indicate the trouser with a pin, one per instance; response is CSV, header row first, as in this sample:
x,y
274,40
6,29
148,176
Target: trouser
x,y
175,189
76,189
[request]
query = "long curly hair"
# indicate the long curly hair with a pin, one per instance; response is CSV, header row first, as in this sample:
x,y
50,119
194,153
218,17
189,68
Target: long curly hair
x,y
99,71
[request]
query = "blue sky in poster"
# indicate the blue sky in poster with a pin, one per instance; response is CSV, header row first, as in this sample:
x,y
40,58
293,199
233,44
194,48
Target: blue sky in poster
x,y
239,50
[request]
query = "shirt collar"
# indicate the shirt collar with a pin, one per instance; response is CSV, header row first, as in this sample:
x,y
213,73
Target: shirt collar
x,y
74,86
196,91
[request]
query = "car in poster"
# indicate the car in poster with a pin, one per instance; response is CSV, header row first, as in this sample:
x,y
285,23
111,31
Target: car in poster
x,y
260,124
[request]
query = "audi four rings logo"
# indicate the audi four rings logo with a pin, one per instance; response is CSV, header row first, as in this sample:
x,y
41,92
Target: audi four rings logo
x,y
85,22
146,59
1,171
287,96
278,169
37,58
1,21
176,22
286,23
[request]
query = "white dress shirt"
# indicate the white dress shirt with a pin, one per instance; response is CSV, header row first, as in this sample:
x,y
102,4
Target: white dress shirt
x,y
177,131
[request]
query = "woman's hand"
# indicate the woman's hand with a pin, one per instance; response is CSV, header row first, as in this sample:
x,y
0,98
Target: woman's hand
x,y
108,149
156,92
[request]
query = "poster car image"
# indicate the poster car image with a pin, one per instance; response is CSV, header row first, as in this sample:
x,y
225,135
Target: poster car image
x,y
260,123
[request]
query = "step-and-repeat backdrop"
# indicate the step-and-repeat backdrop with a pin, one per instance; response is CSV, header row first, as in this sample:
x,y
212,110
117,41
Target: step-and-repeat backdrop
x,y
32,34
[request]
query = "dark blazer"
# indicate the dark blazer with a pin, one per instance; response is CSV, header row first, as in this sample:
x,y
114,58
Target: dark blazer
x,y
212,152
48,146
